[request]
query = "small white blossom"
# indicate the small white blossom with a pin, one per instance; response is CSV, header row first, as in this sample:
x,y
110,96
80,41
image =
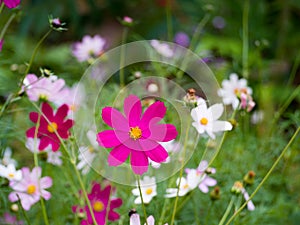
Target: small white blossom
x,y
148,189
162,48
7,159
10,172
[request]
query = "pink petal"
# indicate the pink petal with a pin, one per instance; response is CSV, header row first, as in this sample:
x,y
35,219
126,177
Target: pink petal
x,y
47,111
163,132
34,116
203,188
115,119
118,155
12,3
154,113
45,141
209,181
36,173
150,220
159,154
46,194
61,113
111,138
68,124
133,110
135,219
30,132
55,145
139,162
45,182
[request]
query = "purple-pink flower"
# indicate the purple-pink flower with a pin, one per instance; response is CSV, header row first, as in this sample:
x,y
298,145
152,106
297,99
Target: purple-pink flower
x,y
102,204
9,219
50,126
10,3
136,135
31,188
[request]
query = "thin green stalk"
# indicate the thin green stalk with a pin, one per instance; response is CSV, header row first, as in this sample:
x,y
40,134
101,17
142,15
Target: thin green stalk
x,y
246,39
266,176
1,7
181,172
73,162
227,211
143,205
3,31
294,70
169,20
122,57
208,211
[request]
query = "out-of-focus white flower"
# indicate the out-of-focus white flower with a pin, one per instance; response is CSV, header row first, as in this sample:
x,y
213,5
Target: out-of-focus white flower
x,y
87,154
257,117
10,172
7,159
162,48
54,158
206,119
232,89
89,49
148,189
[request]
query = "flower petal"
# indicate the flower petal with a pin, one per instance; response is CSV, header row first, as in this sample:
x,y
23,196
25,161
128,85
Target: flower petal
x,y
34,116
159,154
115,119
135,219
216,111
110,138
163,132
30,132
47,111
133,110
61,113
45,141
209,181
45,182
139,162
118,155
12,3
221,126
154,113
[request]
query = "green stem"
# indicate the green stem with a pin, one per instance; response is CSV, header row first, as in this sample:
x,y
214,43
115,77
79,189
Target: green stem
x,y
7,25
143,205
266,176
198,30
294,70
246,39
181,172
227,211
122,57
169,20
1,7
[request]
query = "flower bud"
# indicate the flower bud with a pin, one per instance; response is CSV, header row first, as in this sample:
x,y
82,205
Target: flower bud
x,y
14,207
215,194
237,188
249,177
56,24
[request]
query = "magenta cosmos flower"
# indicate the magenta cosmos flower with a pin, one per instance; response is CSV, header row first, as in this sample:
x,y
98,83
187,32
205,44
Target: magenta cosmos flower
x,y
135,134
31,188
101,204
10,3
50,126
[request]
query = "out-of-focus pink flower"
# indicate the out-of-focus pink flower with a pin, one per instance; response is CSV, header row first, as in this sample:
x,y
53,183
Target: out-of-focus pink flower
x,y
46,88
162,48
247,102
31,188
10,3
89,49
238,188
48,131
135,134
135,220
206,180
101,203
10,220
182,39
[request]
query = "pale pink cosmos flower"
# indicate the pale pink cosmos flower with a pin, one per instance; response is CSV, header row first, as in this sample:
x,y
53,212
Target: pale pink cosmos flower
x,y
31,188
136,135
9,219
46,88
135,220
162,48
89,48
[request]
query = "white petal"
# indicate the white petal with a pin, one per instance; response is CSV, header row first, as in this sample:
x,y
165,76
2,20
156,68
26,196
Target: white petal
x,y
135,219
150,220
216,110
221,126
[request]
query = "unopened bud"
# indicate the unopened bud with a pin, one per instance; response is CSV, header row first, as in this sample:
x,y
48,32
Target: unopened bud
x,y
249,177
234,123
215,194
14,208
237,188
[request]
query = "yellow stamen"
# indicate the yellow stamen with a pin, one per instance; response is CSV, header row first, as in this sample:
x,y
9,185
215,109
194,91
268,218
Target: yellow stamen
x,y
98,206
52,127
31,189
11,175
135,133
203,121
149,191
185,186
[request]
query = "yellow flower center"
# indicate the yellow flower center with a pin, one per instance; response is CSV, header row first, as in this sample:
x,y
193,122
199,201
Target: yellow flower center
x,y
203,121
72,107
185,186
31,189
52,127
149,191
91,149
43,97
135,133
11,175
98,206
238,185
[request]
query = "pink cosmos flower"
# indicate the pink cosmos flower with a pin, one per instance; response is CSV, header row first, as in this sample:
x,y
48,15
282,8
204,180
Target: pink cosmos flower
x,y
89,48
50,126
10,219
31,188
100,200
10,3
135,134
46,88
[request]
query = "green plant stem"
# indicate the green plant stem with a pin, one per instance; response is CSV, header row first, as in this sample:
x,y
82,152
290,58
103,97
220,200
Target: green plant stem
x,y
246,39
3,31
266,176
181,172
73,162
169,20
229,207
143,205
122,57
1,7
294,70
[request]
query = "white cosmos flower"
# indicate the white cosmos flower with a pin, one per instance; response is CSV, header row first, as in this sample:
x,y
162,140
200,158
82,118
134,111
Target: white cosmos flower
x,y
10,172
148,189
232,89
206,119
162,48
54,158
7,158
135,220
87,154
